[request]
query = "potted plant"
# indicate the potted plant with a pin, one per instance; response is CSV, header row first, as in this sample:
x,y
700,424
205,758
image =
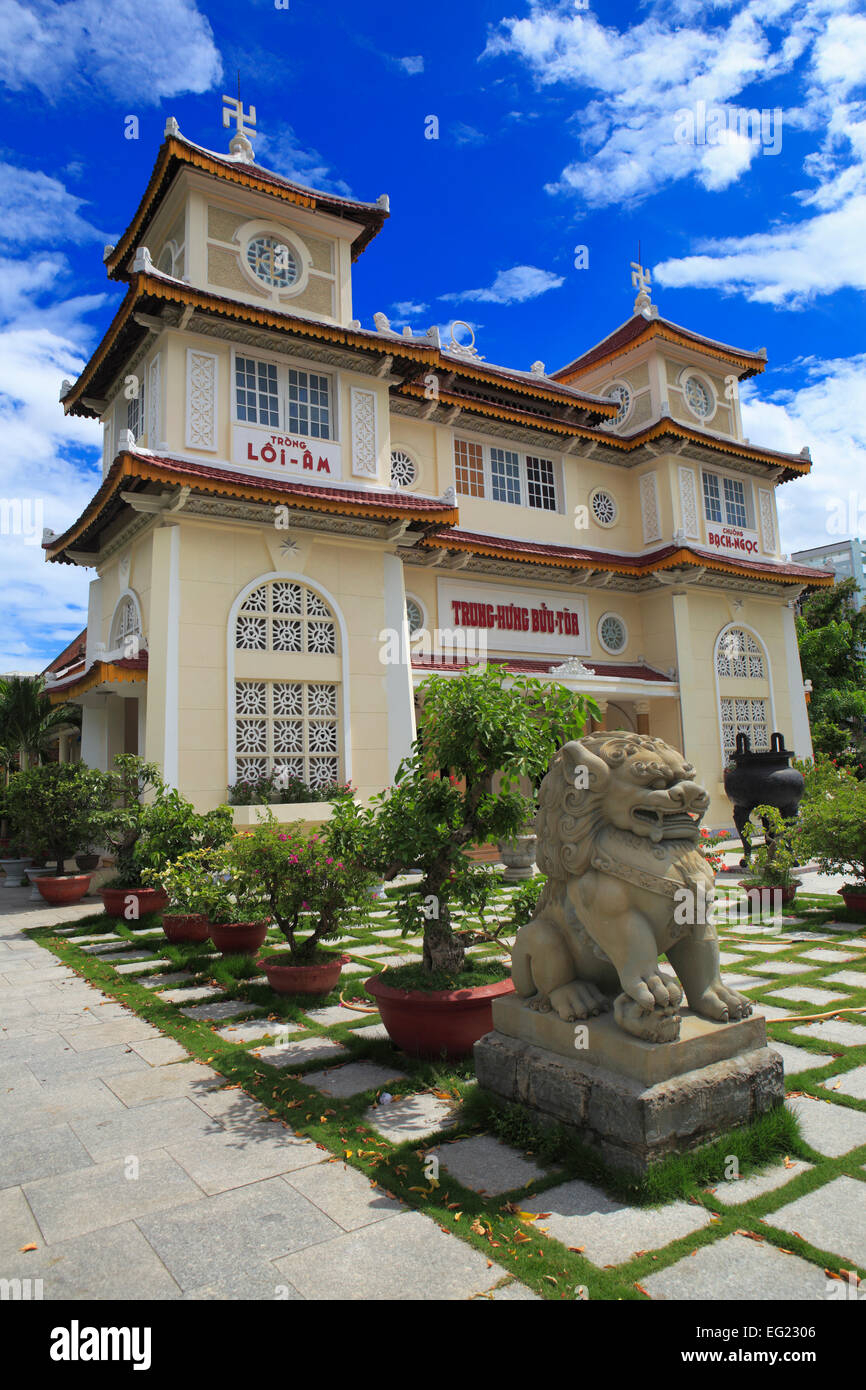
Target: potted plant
x,y
185,922
440,805
233,905
58,808
146,835
832,828
771,864
308,884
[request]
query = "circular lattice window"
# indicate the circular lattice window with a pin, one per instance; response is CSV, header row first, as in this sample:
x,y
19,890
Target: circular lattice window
x,y
604,508
621,394
699,397
612,632
414,616
404,471
272,262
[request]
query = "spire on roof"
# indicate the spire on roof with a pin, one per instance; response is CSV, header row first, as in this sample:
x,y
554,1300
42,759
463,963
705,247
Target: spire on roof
x,y
641,280
245,121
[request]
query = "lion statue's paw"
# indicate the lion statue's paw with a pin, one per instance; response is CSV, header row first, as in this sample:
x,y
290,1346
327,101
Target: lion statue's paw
x,y
723,1004
578,999
659,1024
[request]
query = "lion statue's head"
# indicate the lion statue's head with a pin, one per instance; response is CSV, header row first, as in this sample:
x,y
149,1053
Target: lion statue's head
x,y
630,781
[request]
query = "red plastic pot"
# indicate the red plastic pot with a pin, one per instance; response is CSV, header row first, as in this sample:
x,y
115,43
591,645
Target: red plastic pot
x,y
445,1021
65,890
788,893
238,938
180,927
854,898
302,979
118,902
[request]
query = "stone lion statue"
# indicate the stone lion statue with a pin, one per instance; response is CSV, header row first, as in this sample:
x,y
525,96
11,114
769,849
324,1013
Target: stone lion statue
x,y
618,837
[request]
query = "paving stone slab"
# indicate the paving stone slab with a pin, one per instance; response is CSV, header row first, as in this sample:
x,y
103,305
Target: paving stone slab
x,y
116,946
850,1083
186,1078
369,950
352,1079
151,1126
17,1226
781,967
258,1281
173,977
230,1231
344,1194
115,957
824,954
736,1191
771,1012
612,1231
140,967
126,1268
99,1062
118,1030
222,1008
243,1154
835,1030
257,1030
729,958
89,1199
40,1153
487,1165
739,1269
807,994
29,1106
411,1117
332,1013
160,1052
855,978
406,1258
356,968
833,1218
765,947
374,1032
796,1059
186,996
829,1129
300,1051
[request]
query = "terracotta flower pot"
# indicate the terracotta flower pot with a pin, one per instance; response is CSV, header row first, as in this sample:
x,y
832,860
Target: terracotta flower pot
x,y
182,927
428,1024
788,892
238,938
62,891
285,978
118,902
854,898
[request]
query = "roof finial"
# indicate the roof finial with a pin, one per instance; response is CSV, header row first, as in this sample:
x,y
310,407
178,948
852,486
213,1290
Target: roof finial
x,y
641,280
244,121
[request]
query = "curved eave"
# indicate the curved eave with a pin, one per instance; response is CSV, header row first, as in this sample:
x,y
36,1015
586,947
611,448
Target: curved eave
x,y
175,154
100,673
748,363
670,557
214,482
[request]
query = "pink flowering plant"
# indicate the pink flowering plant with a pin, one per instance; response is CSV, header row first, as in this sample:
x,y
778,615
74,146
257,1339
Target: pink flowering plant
x,y
305,884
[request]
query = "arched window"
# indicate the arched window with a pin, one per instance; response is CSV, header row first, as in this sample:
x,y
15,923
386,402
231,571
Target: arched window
x,y
126,633
287,697
745,694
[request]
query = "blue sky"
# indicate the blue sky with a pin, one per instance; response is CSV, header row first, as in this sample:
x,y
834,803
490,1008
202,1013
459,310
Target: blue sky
x,y
559,125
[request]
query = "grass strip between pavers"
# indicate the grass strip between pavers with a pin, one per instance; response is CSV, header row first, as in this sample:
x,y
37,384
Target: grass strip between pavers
x,y
492,1225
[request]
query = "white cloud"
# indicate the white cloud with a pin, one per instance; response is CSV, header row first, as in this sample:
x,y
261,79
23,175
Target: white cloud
x,y
513,286
412,65
37,208
281,151
467,134
126,50
822,414
405,307
840,53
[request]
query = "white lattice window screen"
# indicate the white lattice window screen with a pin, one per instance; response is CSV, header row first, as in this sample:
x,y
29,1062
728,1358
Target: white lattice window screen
x,y
649,507
154,403
287,727
403,469
201,385
740,656
126,628
745,716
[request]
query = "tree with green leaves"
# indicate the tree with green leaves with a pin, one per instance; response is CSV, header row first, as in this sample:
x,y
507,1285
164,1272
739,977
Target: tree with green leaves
x,y
29,721
832,638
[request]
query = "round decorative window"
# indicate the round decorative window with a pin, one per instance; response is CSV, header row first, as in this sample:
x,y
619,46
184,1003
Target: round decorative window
x,y
621,394
604,508
273,262
612,632
698,397
404,471
414,616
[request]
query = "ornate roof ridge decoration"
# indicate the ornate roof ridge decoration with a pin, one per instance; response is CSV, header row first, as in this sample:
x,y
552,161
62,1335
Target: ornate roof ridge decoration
x,y
572,667
639,329
600,670
176,151
126,670
570,557
225,482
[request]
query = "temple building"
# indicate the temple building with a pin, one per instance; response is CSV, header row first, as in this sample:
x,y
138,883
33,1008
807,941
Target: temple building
x,y
301,517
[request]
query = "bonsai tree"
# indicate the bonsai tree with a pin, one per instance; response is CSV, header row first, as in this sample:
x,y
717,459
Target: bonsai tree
x,y
203,881
58,808
771,864
148,834
832,823
442,802
302,880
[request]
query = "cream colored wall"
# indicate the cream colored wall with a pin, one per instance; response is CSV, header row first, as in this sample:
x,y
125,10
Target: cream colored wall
x,y
216,562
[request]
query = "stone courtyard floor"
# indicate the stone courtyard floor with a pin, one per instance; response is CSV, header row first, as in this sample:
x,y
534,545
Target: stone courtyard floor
x,y
171,1129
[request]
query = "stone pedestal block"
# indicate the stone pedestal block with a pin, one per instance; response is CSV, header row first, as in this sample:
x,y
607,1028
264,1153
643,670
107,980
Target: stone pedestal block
x,y
632,1123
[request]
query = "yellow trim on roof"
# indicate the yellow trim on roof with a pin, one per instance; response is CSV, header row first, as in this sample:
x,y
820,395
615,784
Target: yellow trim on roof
x,y
97,674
